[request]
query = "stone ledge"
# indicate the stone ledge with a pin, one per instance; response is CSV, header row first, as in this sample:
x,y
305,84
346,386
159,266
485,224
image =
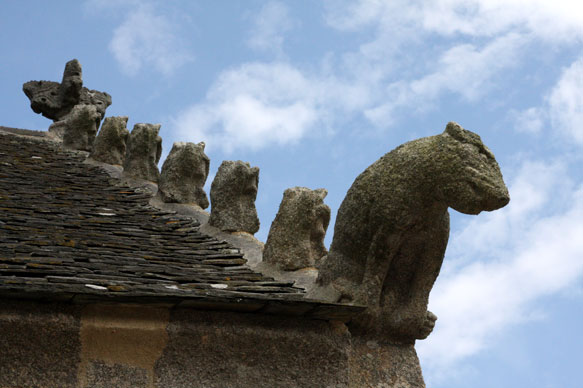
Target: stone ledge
x,y
262,304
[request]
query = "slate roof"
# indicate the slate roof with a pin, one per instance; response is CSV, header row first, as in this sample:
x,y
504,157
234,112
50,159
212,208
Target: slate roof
x,y
70,232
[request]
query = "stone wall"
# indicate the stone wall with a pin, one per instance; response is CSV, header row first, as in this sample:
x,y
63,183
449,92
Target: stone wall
x,y
123,345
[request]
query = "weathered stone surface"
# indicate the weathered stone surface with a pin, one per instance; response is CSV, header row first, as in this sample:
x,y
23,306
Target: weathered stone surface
x,y
40,344
143,152
233,194
296,236
56,100
78,128
110,144
392,228
248,350
184,174
58,345
67,228
102,375
384,365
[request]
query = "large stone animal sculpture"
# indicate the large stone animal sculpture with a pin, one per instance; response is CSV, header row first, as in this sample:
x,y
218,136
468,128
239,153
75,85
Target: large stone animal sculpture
x,y
296,236
233,194
393,226
184,174
56,100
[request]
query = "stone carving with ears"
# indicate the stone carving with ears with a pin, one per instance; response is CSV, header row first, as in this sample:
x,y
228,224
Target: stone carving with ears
x,y
111,142
393,226
184,174
143,153
56,100
233,194
296,236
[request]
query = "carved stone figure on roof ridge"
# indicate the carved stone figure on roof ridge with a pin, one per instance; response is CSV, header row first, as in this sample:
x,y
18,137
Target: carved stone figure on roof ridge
x,y
393,226
143,152
296,236
233,194
184,174
111,142
56,100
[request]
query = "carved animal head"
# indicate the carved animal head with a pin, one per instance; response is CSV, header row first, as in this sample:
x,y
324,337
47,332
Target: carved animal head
x,y
296,236
44,98
101,100
184,174
56,100
233,194
143,152
110,144
193,155
80,129
470,176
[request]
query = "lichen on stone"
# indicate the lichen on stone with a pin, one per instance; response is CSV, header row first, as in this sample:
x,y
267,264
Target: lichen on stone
x,y
233,194
184,174
143,153
393,226
296,236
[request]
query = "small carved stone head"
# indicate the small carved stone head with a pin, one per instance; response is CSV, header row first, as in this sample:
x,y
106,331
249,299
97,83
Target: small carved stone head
x,y
184,174
233,194
110,144
296,236
472,181
143,152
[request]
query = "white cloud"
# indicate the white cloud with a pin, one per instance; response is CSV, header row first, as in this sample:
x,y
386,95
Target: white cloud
x,y
499,30
467,70
530,120
257,105
566,103
562,109
269,27
280,90
363,81
463,69
560,20
146,39
251,107
556,21
530,249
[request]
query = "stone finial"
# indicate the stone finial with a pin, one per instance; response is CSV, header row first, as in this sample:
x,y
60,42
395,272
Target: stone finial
x,y
111,141
143,152
233,194
77,129
393,225
56,100
71,84
296,236
184,174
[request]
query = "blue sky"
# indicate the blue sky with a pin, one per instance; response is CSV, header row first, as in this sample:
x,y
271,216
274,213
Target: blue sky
x,y
314,92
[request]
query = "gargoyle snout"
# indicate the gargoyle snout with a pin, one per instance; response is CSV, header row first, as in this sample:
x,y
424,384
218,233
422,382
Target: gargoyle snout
x,y
498,201
504,199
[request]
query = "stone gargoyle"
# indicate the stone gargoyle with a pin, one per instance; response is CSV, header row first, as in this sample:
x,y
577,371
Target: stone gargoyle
x,y
296,236
111,142
184,174
393,226
56,100
233,194
143,152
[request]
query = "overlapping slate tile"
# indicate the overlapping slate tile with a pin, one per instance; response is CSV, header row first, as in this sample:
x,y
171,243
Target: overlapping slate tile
x,y
70,231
